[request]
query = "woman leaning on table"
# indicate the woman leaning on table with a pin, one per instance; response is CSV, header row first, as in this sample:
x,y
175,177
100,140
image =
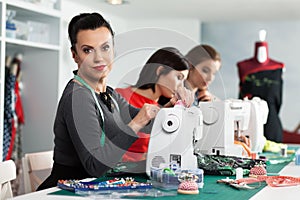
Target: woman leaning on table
x,y
94,126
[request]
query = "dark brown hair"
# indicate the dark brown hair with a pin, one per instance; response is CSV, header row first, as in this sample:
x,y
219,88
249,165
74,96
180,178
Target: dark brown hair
x,y
169,57
86,21
201,53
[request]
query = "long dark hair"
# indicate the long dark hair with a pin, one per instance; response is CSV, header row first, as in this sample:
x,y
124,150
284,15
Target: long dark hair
x,y
169,57
86,21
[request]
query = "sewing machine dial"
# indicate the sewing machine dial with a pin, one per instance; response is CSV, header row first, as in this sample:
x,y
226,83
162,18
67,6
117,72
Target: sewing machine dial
x,y
171,124
210,115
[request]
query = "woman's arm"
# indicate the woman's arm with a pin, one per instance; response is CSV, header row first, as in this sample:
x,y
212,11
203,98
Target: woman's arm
x,y
83,124
137,119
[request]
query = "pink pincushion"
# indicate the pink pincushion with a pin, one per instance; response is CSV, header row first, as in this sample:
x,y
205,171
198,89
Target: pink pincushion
x,y
258,170
188,187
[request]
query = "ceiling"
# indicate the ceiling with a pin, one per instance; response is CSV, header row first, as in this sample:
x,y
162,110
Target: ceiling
x,y
206,10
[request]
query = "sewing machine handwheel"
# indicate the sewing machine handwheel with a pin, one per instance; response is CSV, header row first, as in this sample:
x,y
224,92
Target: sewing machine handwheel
x,y
210,115
171,124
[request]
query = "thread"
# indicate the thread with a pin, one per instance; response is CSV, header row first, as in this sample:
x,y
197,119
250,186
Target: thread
x,y
238,173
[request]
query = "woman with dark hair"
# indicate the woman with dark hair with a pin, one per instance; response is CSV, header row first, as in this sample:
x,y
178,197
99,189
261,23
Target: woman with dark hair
x,y
204,61
94,125
162,76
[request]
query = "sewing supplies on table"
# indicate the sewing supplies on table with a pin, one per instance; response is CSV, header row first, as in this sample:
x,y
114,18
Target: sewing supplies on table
x,y
168,179
272,181
179,133
188,184
113,188
116,184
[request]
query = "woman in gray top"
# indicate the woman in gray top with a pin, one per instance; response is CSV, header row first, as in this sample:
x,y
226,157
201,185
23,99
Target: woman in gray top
x,y
94,126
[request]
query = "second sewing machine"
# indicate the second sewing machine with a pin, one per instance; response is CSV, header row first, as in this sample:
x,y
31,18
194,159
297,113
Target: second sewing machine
x,y
210,129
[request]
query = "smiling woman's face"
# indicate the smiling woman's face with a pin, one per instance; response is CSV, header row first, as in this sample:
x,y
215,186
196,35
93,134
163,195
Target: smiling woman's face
x,y
94,53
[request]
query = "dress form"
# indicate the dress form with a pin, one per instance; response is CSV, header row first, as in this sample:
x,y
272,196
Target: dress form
x,y
261,76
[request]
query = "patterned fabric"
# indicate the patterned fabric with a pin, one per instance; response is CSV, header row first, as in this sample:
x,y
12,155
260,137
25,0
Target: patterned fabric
x,y
225,165
8,112
19,120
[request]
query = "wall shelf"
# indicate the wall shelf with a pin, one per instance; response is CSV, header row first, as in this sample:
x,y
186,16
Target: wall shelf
x,y
24,44
31,7
40,67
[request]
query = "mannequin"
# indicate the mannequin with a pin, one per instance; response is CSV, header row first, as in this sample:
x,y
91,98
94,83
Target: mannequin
x,y
261,76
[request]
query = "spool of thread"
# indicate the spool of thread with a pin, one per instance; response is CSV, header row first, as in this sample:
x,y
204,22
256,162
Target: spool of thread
x,y
253,156
297,160
238,173
284,151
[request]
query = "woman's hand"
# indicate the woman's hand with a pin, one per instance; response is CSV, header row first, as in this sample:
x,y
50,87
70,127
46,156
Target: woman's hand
x,y
146,113
183,94
204,95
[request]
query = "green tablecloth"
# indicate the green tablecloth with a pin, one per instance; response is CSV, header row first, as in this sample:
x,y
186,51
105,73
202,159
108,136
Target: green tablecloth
x,y
214,190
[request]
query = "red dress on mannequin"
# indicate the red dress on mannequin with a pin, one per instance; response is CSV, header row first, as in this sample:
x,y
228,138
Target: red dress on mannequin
x,y
264,80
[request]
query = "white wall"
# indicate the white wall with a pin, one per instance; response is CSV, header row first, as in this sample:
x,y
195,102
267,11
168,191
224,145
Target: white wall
x,y
142,37
235,41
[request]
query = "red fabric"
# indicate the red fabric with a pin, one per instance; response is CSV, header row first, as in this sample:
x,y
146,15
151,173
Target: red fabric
x,y
250,66
137,151
134,98
291,137
20,117
18,107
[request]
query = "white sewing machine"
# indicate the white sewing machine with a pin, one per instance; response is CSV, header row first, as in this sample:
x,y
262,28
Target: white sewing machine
x,y
258,117
173,136
221,121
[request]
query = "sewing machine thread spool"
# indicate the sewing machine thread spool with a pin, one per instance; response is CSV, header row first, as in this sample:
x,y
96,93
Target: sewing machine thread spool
x,y
297,160
284,151
238,173
253,155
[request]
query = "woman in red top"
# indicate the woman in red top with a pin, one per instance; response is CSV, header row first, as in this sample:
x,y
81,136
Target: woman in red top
x,y
161,77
